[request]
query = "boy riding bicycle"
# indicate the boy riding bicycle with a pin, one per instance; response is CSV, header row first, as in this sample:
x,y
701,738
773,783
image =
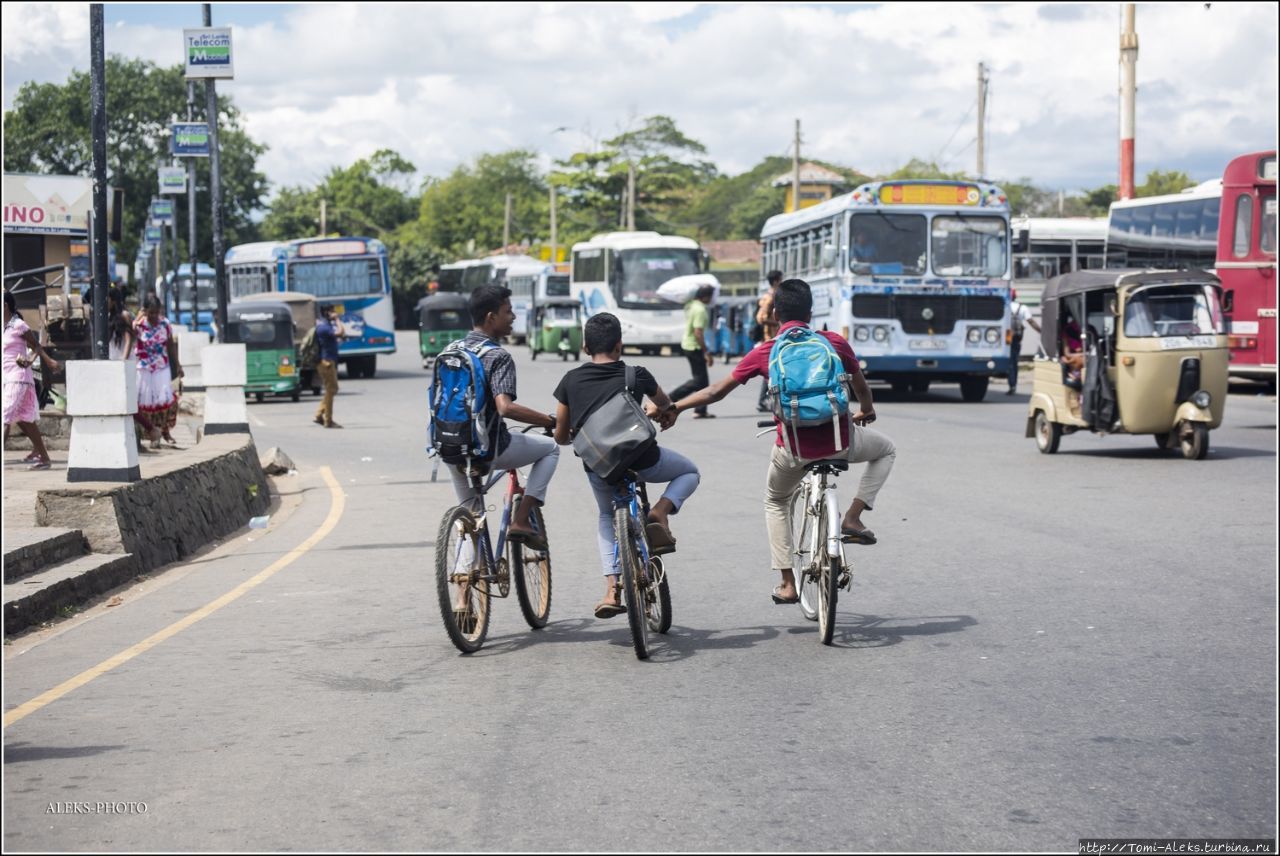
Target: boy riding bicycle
x,y
584,390
798,446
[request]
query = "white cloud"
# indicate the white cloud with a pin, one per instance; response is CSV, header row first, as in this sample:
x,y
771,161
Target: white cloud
x,y
873,85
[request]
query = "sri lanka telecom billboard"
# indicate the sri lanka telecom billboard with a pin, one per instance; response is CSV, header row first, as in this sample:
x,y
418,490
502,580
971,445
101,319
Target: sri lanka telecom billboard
x,y
207,52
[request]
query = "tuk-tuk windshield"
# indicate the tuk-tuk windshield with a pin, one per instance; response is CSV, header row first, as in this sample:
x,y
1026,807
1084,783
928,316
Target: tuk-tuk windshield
x,y
260,333
1176,310
558,285
561,313
446,319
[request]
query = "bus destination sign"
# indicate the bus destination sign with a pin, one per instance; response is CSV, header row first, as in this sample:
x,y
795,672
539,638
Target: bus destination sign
x,y
929,194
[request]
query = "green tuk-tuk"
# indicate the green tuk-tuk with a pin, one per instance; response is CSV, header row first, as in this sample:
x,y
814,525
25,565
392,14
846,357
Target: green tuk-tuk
x,y
556,328
266,330
442,318
302,307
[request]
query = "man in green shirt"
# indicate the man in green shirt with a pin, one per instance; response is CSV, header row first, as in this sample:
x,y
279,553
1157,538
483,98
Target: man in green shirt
x,y
696,321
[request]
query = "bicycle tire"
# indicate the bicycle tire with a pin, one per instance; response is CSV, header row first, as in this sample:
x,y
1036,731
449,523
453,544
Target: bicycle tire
x,y
661,621
533,580
806,582
827,591
632,593
466,630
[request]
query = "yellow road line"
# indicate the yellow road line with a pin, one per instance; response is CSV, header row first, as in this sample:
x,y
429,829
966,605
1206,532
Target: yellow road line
x,y
335,514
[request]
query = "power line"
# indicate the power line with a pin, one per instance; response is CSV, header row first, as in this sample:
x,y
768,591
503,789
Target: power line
x,y
937,157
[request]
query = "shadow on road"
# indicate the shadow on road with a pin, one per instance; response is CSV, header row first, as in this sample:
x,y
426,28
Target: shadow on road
x,y
874,631
17,753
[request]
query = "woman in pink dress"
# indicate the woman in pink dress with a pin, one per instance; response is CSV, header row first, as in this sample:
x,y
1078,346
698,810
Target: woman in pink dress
x,y
157,353
20,404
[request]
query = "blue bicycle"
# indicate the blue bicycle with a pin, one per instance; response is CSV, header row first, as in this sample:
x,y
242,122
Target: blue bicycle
x,y
644,579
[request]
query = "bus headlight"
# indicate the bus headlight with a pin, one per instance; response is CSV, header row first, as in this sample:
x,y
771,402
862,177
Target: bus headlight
x,y
1202,399
861,334
974,335
993,335
880,334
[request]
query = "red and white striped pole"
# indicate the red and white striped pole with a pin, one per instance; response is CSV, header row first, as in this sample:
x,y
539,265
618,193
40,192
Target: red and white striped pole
x,y
1128,98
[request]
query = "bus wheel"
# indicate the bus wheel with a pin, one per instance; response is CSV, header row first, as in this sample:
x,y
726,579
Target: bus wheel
x,y
974,388
920,387
258,396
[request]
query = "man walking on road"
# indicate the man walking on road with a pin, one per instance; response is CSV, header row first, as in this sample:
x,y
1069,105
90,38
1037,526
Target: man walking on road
x,y
329,330
1019,317
768,325
694,345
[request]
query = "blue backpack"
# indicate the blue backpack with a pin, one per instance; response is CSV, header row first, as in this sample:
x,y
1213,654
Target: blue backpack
x,y
807,383
460,416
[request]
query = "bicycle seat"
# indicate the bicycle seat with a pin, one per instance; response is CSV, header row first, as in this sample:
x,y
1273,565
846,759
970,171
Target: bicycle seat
x,y
829,467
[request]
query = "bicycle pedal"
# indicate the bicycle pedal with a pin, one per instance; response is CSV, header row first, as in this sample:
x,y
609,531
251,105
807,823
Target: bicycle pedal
x,y
845,582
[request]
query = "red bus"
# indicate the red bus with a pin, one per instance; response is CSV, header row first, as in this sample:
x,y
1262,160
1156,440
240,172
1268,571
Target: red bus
x,y
1246,264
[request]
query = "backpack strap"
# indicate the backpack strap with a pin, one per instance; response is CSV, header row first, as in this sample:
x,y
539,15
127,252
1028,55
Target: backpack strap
x,y
629,379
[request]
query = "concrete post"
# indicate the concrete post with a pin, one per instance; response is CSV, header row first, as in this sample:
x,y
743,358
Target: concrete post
x,y
102,396
225,374
191,345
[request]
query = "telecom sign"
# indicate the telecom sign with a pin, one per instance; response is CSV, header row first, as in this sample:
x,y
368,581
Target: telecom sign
x,y
189,139
162,212
173,179
207,52
153,235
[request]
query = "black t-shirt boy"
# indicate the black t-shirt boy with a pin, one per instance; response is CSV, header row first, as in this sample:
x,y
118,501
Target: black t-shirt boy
x,y
584,389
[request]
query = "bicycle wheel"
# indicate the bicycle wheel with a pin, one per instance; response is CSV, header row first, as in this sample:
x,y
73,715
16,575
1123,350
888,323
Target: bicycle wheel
x,y
459,580
827,577
802,559
633,588
532,572
658,599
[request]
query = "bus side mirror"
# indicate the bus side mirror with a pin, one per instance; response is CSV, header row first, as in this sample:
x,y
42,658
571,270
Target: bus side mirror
x,y
1022,241
706,260
828,255
1228,301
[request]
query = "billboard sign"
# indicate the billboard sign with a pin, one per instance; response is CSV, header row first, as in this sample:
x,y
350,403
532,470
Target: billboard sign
x,y
173,179
207,52
162,212
189,139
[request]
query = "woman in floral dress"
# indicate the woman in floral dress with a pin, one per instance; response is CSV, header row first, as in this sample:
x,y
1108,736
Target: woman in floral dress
x,y
20,403
157,353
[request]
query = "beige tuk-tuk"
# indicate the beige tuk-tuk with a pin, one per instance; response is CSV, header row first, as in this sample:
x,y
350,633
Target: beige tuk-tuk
x,y
303,309
1131,352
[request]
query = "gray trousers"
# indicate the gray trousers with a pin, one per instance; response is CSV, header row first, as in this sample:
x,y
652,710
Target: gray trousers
x,y
523,450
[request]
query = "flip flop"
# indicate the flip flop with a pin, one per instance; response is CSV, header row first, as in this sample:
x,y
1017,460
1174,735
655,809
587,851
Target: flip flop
x,y
39,465
609,610
777,599
857,536
661,541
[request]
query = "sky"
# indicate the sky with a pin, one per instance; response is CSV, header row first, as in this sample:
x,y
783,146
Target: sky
x,y
873,85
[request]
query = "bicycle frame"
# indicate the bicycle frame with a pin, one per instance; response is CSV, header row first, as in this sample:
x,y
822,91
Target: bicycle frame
x,y
820,500
632,496
480,509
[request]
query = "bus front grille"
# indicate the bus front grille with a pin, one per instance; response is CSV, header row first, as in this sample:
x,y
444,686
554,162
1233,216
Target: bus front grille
x,y
927,313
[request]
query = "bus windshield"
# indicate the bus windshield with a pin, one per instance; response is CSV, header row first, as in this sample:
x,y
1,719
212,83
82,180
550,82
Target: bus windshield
x,y
887,243
206,294
965,245
337,278
640,272
558,285
1184,310
450,279
475,276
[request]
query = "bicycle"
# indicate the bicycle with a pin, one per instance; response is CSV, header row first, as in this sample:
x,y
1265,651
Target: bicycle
x,y
644,579
819,563
467,574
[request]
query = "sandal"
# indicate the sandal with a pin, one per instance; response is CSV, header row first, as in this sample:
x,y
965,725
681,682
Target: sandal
x,y
39,465
779,599
604,609
661,541
31,459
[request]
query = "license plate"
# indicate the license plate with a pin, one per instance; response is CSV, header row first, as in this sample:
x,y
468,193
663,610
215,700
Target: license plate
x,y
1173,343
286,371
928,344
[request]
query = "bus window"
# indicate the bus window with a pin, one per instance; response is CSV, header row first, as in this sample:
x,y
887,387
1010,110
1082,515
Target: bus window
x,y
1241,239
558,285
1267,234
588,266
887,243
965,245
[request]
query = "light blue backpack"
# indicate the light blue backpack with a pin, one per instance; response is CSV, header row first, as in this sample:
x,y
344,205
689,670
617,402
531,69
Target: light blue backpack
x,y
807,383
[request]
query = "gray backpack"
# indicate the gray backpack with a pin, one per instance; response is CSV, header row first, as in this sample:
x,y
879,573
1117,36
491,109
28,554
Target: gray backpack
x,y
616,434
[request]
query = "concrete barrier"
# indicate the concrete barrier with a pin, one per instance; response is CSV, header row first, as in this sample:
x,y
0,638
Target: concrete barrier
x,y
209,492
191,345
102,396
225,374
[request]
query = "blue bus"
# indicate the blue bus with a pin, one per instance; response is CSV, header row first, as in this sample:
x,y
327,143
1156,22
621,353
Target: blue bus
x,y
351,274
915,274
178,301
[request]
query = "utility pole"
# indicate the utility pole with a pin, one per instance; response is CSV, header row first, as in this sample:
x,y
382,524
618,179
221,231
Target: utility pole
x,y
506,225
1128,99
215,190
192,255
323,216
98,224
631,196
795,171
553,224
983,77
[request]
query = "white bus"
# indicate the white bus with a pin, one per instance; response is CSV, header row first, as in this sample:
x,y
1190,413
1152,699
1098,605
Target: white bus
x,y
1045,247
620,272
1177,230
915,274
532,282
466,275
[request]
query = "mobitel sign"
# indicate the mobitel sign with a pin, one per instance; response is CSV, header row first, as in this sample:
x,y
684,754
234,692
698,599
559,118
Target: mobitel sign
x,y
208,52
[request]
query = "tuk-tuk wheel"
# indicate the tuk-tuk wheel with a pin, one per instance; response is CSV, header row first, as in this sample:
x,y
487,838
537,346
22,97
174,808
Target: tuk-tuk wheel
x,y
533,355
577,356
1162,441
564,358
1048,434
296,395
258,396
1193,439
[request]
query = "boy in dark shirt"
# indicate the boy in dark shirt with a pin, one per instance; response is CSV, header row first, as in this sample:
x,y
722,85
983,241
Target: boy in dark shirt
x,y
580,393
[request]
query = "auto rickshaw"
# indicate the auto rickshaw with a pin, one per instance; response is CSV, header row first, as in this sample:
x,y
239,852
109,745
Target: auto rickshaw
x,y
266,329
732,318
302,307
1131,352
556,328
442,318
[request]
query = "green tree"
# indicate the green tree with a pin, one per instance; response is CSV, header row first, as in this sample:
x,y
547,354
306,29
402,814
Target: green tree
x,y
917,168
1160,183
48,132
462,214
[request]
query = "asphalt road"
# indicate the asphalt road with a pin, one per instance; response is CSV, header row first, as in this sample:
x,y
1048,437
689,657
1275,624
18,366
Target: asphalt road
x,y
1040,649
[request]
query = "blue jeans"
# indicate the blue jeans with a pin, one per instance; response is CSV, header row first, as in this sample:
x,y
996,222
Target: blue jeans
x,y
681,475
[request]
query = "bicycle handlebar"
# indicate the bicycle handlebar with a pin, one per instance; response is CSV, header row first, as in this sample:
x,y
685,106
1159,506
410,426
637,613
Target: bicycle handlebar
x,y
765,423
